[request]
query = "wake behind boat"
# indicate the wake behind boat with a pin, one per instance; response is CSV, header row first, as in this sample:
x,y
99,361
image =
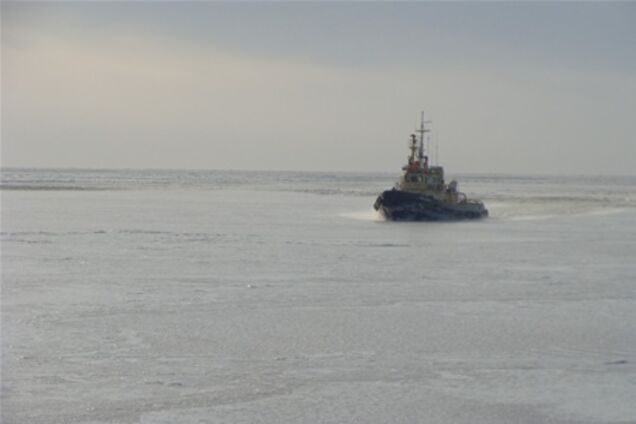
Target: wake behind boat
x,y
422,194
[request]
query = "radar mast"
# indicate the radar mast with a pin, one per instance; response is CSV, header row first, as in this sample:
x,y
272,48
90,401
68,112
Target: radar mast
x,y
422,130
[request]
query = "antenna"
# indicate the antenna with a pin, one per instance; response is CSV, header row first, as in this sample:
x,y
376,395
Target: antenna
x,y
437,149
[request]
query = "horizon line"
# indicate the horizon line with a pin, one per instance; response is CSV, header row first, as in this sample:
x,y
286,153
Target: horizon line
x,y
476,173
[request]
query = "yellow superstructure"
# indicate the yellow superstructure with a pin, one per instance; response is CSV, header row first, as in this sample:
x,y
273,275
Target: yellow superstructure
x,y
421,178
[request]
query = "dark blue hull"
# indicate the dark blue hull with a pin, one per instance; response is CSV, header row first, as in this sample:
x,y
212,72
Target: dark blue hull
x,y
400,205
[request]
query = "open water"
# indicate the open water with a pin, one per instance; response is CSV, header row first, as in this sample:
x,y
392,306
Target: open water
x,y
281,297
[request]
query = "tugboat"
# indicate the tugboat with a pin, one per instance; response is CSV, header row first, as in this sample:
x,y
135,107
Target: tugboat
x,y
422,195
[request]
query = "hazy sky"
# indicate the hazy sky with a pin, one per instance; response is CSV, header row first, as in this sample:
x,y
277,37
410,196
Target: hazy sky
x,y
519,88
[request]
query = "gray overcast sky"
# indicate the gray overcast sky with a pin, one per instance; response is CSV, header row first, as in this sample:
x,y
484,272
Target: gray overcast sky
x,y
515,88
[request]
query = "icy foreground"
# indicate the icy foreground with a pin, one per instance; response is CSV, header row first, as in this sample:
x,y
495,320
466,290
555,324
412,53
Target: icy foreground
x,y
218,301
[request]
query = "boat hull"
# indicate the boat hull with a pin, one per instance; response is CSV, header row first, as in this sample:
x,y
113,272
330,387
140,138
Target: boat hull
x,y
397,205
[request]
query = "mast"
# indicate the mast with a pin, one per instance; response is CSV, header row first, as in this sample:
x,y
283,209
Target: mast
x,y
421,131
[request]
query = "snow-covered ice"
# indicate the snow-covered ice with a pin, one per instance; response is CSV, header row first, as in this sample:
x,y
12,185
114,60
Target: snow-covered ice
x,y
210,297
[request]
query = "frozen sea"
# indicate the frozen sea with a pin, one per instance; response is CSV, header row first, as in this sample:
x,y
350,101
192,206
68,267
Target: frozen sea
x,y
281,297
